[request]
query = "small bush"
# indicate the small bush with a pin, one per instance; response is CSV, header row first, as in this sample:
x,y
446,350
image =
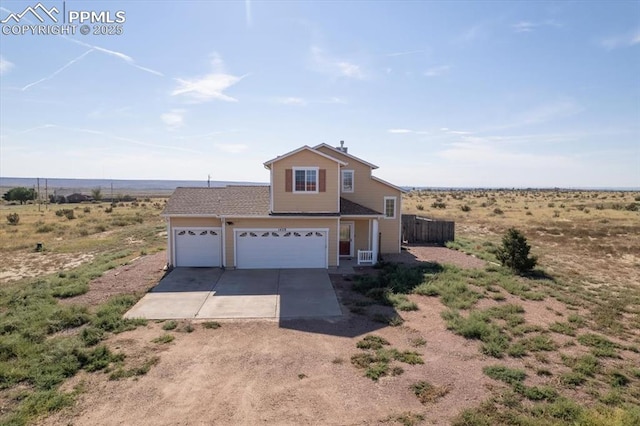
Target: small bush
x,y
87,210
438,205
465,208
505,374
165,338
211,324
13,218
169,325
426,392
68,213
514,252
498,211
372,342
108,210
420,207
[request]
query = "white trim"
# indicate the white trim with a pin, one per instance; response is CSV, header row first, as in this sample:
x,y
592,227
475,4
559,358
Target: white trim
x,y
324,145
270,190
388,184
395,207
400,227
169,239
352,227
353,181
302,148
236,230
223,223
306,169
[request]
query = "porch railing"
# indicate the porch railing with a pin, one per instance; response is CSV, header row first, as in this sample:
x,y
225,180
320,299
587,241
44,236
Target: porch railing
x,y
365,257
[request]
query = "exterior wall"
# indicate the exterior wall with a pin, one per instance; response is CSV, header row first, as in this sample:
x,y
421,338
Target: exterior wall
x,y
321,202
370,193
361,236
291,223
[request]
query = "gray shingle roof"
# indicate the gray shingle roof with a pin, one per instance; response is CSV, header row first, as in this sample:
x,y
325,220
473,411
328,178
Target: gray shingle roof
x,y
237,201
225,201
349,208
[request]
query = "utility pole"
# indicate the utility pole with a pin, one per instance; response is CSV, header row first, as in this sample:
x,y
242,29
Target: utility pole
x,y
46,192
38,194
208,181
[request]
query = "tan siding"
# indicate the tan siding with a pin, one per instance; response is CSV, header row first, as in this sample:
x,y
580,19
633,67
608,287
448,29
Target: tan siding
x,y
361,236
331,224
194,221
300,202
370,193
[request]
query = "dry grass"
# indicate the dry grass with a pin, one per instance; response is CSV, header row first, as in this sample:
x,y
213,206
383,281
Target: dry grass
x,y
588,245
68,243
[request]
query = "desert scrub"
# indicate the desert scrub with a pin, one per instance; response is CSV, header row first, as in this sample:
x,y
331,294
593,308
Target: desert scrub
x,y
426,392
165,338
377,358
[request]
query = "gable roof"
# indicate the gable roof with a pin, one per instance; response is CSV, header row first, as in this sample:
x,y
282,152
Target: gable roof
x,y
382,181
268,164
350,208
225,201
353,157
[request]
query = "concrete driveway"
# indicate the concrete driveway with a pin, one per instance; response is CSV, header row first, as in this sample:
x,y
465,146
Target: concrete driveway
x,y
211,293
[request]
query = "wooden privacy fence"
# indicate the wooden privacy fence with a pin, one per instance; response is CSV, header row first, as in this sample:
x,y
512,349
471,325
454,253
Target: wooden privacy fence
x,y
417,229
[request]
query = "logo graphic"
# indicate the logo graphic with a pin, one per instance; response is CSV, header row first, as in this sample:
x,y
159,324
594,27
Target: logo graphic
x,y
33,10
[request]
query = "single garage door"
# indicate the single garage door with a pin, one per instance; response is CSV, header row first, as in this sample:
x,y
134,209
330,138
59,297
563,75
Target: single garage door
x,y
291,248
198,247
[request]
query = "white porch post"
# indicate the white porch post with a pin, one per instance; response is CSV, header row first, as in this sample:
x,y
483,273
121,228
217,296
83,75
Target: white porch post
x,y
374,242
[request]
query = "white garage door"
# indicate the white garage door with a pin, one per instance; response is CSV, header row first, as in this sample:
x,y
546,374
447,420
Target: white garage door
x,y
198,247
292,248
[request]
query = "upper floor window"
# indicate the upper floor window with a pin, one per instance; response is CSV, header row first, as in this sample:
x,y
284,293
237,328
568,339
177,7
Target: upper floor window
x,y
347,181
305,179
390,207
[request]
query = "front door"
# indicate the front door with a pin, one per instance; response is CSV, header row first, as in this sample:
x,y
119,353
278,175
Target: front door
x,y
345,239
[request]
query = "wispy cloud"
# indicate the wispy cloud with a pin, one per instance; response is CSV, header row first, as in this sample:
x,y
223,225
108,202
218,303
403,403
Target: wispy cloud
x,y
210,86
5,65
454,132
58,71
528,26
173,119
437,71
338,67
291,101
400,131
232,148
548,112
128,140
621,40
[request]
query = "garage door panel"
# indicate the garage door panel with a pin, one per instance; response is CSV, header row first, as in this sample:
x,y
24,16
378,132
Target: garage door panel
x,y
198,247
281,249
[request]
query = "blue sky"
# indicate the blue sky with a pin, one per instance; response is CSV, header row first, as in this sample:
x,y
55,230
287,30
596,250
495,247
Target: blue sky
x,y
474,94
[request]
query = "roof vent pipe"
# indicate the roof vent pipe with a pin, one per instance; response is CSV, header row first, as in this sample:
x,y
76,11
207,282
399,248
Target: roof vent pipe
x,y
342,147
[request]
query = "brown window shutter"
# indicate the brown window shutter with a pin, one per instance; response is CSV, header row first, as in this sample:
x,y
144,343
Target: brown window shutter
x,y
322,178
288,180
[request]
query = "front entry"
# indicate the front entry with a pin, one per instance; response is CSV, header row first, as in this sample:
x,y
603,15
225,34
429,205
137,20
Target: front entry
x,y
346,239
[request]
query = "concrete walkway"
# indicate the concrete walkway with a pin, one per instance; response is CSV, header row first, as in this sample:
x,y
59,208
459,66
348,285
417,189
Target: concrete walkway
x,y
210,293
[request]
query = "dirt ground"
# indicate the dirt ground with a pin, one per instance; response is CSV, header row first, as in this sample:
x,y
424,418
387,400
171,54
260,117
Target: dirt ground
x,y
270,372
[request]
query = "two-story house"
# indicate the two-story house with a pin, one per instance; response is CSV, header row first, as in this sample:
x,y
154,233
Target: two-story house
x,y
322,205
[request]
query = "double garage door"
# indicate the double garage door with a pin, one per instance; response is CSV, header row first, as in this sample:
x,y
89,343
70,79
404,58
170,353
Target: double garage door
x,y
288,248
254,248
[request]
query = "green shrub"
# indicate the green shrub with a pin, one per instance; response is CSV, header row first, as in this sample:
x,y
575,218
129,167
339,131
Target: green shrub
x,y
169,325
211,324
505,374
165,338
372,342
514,252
